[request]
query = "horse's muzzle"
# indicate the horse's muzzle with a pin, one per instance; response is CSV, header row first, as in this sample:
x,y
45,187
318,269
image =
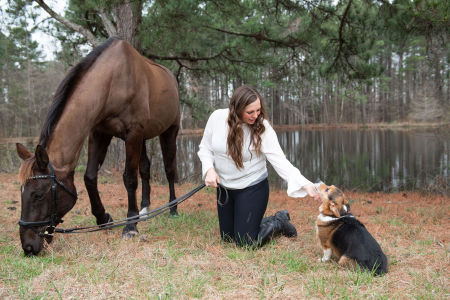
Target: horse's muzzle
x,y
31,249
32,243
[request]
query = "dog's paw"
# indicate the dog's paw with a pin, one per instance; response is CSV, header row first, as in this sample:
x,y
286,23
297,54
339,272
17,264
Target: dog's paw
x,y
326,255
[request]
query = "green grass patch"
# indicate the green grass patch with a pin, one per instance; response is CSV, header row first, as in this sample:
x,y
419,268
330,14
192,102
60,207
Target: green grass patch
x,y
198,224
106,179
395,221
239,253
80,169
19,268
288,262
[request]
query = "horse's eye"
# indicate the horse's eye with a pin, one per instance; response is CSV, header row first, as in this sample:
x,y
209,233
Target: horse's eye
x,y
37,195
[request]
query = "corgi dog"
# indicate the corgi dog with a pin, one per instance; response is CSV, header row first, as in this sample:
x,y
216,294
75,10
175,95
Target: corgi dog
x,y
341,234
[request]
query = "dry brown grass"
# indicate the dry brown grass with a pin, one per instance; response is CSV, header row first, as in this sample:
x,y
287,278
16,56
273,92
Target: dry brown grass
x,y
184,258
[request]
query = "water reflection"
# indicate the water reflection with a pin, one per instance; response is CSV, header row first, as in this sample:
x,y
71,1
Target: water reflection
x,y
370,160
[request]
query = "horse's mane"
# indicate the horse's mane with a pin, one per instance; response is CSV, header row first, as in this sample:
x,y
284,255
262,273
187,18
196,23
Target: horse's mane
x,y
66,88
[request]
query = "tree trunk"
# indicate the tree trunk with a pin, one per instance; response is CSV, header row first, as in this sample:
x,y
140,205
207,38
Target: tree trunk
x,y
362,107
436,57
388,95
381,95
409,84
401,108
128,16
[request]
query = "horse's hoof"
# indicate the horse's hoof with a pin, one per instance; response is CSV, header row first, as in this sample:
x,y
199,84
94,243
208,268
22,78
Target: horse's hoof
x,y
144,212
129,234
109,218
106,219
143,238
173,214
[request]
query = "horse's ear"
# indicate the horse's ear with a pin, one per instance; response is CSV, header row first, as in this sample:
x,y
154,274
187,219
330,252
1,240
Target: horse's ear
x,y
41,157
23,152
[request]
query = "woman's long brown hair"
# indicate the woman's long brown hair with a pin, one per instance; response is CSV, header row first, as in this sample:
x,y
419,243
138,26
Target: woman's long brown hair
x,y
242,97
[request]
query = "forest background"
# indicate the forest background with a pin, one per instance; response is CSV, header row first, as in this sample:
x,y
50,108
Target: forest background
x,y
333,62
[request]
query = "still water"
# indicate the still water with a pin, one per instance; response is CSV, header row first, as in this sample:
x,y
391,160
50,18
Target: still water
x,y
369,160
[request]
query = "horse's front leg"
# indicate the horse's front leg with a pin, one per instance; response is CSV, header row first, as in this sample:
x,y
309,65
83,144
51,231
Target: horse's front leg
x,y
97,148
133,148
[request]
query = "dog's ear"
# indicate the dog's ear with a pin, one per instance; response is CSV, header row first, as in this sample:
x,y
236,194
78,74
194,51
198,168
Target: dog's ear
x,y
335,210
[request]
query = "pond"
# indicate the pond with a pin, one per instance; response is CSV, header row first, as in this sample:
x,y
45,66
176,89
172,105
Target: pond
x,y
369,160
372,160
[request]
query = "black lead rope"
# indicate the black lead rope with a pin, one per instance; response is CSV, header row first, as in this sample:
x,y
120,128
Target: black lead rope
x,y
222,204
132,220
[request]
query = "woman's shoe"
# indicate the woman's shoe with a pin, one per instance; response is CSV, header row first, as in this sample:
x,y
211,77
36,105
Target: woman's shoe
x,y
287,228
275,225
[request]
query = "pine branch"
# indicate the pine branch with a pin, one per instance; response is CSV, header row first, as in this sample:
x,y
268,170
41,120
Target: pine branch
x,y
260,37
341,39
75,27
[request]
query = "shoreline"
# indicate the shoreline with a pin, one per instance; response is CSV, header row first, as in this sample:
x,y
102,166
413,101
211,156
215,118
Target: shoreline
x,y
352,126
316,126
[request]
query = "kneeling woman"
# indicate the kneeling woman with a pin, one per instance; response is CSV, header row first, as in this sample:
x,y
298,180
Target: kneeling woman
x,y
233,151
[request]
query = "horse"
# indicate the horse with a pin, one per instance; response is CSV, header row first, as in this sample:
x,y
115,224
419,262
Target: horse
x,y
113,92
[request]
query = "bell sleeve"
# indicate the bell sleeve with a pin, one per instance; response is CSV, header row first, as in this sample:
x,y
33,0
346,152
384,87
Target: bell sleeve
x,y
205,152
275,155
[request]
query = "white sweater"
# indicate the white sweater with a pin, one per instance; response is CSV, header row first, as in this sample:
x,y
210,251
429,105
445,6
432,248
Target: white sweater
x,y
213,153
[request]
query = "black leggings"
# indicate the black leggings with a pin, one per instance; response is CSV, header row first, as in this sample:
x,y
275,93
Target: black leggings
x,y
241,213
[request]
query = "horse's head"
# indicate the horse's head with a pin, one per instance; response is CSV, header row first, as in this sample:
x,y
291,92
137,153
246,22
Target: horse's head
x,y
46,198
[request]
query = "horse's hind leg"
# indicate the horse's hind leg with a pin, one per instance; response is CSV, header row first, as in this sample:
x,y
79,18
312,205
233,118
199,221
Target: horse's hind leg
x,y
97,148
144,171
133,146
168,141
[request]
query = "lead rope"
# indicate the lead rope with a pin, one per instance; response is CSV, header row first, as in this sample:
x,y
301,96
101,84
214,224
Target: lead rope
x,y
222,204
131,220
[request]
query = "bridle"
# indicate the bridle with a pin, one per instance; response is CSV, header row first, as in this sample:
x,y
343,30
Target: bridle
x,y
54,219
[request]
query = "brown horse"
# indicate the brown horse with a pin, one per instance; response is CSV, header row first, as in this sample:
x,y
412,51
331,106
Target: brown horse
x,y
114,91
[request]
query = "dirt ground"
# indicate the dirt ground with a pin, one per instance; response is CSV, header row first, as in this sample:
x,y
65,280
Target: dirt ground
x,y
413,229
370,208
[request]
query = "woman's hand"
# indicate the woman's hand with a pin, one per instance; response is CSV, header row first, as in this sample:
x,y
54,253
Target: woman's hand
x,y
211,179
311,190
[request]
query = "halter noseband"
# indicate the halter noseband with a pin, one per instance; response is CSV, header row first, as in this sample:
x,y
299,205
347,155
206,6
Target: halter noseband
x,y
54,220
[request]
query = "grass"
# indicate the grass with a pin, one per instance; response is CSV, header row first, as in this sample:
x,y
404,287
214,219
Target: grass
x,y
184,258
